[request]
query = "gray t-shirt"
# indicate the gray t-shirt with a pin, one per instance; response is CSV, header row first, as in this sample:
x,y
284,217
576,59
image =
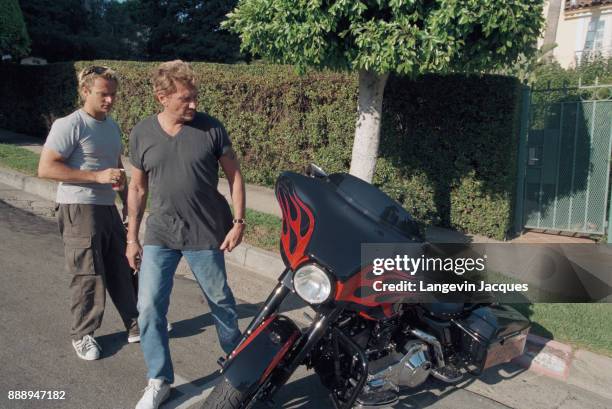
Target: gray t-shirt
x,y
87,144
186,212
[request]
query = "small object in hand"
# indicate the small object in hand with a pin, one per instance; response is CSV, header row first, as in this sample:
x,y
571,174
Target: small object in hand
x,y
117,185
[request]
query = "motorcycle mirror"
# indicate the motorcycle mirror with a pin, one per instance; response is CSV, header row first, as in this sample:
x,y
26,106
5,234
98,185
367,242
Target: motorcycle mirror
x,y
314,171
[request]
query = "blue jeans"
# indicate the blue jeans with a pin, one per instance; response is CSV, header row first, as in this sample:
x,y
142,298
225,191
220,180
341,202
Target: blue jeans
x,y
154,288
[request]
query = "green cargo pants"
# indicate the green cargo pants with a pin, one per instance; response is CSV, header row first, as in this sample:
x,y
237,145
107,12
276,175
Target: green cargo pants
x,y
94,243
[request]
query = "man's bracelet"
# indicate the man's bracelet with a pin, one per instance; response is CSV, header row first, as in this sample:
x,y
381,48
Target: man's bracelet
x,y
132,241
239,221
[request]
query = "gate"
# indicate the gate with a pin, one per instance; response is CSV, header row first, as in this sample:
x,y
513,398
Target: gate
x,y
564,162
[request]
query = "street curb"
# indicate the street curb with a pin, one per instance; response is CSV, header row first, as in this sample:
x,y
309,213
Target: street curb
x,y
30,184
546,357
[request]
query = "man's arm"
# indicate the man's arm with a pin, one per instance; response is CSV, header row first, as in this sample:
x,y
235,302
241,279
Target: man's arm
x,y
52,166
137,201
231,167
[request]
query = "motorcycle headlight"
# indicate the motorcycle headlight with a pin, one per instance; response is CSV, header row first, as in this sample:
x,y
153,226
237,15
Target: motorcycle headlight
x,y
312,284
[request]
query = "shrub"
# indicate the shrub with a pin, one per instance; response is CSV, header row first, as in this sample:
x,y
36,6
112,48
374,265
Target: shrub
x,y
448,148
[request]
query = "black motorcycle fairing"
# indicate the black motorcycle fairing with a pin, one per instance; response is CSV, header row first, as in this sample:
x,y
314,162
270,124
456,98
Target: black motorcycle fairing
x,y
375,204
260,353
329,219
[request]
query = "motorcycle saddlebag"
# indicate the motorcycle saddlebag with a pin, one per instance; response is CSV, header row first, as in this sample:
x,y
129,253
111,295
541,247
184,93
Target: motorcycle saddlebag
x,y
492,335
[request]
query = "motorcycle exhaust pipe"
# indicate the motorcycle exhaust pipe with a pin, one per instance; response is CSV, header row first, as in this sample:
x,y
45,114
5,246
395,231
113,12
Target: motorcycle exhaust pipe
x,y
433,341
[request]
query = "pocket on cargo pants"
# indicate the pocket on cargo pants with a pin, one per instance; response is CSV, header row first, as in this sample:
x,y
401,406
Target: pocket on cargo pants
x,y
80,255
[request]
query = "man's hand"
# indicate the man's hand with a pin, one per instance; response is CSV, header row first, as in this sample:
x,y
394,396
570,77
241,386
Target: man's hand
x,y
233,238
121,184
111,175
133,252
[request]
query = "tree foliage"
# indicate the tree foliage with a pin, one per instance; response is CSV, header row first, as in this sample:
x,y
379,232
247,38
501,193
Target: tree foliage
x,y
378,37
562,84
14,39
402,36
188,29
72,29
131,30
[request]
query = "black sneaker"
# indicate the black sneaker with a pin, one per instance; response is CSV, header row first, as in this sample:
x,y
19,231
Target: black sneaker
x,y
134,335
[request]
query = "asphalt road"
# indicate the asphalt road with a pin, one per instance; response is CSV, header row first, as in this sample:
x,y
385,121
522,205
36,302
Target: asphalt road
x,y
36,354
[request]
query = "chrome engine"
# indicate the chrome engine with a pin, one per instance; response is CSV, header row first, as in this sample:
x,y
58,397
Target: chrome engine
x,y
408,367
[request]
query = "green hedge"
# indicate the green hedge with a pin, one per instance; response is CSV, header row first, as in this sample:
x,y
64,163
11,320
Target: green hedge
x,y
448,150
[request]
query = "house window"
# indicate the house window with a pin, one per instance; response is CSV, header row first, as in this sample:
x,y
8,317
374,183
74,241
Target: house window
x,y
595,35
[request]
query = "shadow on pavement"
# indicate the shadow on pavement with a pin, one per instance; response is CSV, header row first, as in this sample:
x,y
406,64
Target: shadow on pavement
x,y
308,392
112,343
182,394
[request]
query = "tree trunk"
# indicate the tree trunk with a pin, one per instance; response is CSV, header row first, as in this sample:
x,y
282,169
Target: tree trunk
x,y
367,130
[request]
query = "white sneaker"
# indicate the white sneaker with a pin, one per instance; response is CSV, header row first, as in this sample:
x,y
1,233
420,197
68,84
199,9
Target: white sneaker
x,y
87,348
135,336
154,394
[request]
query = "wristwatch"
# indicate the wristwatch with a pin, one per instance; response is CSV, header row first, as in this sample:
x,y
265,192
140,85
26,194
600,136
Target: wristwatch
x,y
239,221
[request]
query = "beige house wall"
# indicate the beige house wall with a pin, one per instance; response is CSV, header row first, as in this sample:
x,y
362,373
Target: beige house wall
x,y
572,32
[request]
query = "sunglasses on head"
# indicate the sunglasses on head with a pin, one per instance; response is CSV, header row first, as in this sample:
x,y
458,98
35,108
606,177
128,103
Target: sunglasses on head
x,y
95,69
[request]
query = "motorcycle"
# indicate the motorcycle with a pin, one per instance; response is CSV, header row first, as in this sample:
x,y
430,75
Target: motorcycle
x,y
363,346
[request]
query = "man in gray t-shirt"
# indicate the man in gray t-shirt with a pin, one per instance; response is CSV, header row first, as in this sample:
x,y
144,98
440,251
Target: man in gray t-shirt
x,y
187,212
176,156
83,153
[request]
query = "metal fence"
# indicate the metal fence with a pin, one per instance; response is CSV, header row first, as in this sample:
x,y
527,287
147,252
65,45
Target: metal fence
x,y
565,162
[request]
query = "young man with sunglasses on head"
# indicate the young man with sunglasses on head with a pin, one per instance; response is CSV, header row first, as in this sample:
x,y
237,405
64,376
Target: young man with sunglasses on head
x,y
83,153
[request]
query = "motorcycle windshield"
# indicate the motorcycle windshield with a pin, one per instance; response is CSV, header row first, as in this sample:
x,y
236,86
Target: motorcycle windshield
x,y
327,220
375,204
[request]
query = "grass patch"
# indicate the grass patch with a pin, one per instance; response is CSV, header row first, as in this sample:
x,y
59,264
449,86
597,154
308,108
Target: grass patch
x,y
263,230
19,159
587,326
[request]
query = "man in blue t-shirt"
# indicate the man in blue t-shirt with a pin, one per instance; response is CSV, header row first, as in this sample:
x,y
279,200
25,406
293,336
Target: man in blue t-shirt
x,y
83,153
176,156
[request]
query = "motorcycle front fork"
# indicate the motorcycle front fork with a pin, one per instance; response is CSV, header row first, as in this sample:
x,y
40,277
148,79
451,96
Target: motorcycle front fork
x,y
304,344
272,304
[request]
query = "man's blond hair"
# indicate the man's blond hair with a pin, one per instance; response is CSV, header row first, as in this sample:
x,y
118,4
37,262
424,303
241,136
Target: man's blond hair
x,y
167,74
88,76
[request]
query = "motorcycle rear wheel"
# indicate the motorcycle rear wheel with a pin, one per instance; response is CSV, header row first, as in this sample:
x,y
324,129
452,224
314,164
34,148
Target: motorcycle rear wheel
x,y
225,396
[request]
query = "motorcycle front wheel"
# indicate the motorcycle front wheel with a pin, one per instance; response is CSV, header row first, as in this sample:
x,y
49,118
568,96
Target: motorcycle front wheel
x,y
225,396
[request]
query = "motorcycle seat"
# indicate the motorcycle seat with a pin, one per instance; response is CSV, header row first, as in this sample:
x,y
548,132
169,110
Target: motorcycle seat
x,y
444,310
